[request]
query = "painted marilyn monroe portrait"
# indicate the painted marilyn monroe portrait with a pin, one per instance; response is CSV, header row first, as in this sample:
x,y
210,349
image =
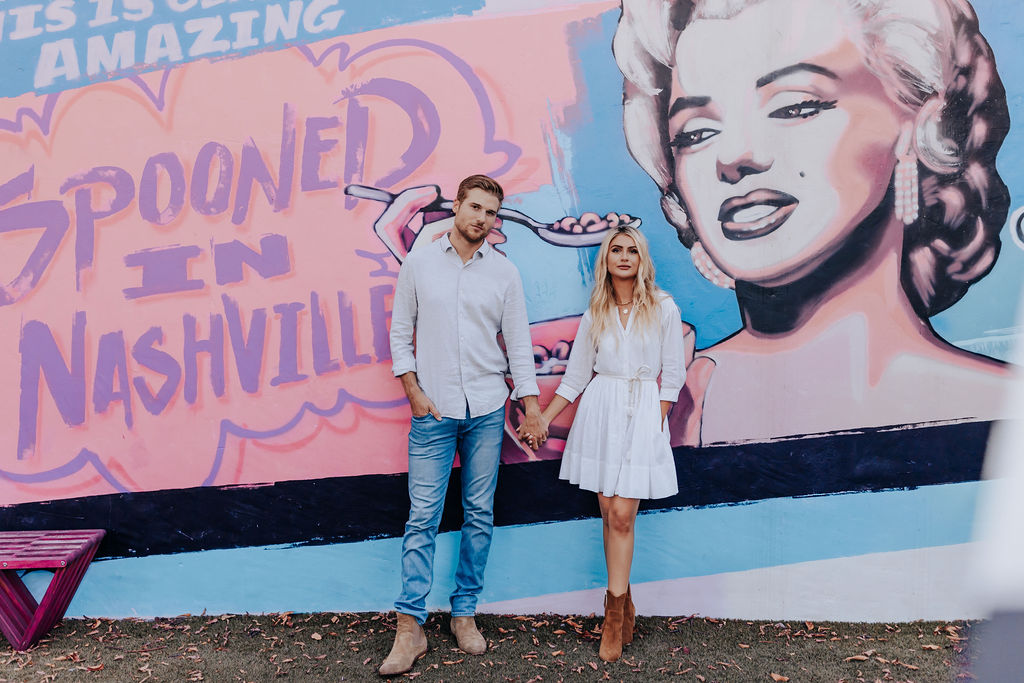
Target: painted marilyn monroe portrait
x,y
833,161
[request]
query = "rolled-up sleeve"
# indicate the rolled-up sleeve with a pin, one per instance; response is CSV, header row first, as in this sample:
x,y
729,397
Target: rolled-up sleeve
x,y
673,363
403,321
580,369
515,329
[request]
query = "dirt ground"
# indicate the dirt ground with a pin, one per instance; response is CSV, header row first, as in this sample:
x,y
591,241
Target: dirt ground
x,y
350,647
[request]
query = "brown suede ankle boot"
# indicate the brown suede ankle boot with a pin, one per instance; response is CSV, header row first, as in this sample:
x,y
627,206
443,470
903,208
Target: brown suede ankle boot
x,y
628,618
410,645
611,631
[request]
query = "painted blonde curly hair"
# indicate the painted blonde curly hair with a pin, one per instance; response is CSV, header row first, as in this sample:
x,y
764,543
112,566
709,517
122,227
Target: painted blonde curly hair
x,y
935,63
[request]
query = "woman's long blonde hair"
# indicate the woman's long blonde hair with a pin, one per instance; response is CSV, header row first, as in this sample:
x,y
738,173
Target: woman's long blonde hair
x,y
645,293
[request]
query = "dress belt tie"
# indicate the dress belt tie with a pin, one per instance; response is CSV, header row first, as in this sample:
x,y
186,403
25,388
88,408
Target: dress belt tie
x,y
642,374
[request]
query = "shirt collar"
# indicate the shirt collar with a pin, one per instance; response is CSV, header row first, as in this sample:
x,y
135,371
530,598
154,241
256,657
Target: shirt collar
x,y
446,244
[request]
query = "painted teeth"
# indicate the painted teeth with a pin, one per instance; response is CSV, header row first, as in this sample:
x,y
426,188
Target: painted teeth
x,y
753,213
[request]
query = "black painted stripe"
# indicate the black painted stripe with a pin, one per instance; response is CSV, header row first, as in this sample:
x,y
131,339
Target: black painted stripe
x,y
348,509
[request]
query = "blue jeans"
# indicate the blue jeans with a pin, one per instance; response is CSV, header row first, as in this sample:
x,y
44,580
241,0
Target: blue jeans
x,y
432,447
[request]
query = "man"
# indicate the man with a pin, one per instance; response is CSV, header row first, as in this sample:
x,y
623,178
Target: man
x,y
455,296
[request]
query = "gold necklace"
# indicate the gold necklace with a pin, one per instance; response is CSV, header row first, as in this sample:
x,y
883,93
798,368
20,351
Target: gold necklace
x,y
624,307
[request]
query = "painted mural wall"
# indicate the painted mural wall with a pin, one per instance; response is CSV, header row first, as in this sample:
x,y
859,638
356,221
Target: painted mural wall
x,y
204,205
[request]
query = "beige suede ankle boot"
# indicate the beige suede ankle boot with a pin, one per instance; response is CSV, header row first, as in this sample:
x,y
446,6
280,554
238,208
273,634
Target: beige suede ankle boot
x,y
470,640
410,645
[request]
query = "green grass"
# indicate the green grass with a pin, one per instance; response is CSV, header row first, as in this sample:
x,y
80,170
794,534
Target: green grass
x,y
325,646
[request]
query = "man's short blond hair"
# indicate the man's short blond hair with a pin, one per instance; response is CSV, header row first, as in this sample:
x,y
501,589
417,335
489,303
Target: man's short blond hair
x,y
482,182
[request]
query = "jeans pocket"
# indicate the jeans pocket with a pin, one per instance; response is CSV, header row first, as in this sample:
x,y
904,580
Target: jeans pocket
x,y
424,429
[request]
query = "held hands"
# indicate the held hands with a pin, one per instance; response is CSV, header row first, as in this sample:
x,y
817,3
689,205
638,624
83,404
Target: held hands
x,y
534,429
535,439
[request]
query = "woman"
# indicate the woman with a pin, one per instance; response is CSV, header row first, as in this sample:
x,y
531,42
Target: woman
x,y
618,445
834,162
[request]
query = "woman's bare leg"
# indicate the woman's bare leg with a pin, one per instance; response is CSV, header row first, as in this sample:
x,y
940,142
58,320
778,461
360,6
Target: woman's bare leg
x,y
619,517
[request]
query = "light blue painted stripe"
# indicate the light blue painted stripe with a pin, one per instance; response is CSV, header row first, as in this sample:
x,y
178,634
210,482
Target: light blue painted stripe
x,y
204,30
531,560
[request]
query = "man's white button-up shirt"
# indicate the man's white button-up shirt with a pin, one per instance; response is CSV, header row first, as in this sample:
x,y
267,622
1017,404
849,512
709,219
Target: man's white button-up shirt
x,y
445,324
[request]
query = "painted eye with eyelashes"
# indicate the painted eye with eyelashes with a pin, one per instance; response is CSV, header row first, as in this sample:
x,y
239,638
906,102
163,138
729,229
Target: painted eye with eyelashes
x,y
691,138
803,110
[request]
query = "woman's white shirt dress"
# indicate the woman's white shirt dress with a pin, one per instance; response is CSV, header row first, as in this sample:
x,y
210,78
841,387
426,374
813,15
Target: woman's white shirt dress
x,y
618,445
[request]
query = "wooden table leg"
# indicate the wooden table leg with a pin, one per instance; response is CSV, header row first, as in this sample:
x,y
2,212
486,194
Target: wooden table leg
x,y
22,620
17,606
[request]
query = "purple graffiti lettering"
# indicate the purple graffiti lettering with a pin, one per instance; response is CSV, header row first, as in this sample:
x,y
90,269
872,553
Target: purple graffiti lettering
x,y
41,357
157,361
201,200
349,350
288,355
323,363
272,260
253,169
213,346
86,214
164,270
384,261
247,348
170,165
423,115
491,145
380,315
49,215
314,147
356,135
111,361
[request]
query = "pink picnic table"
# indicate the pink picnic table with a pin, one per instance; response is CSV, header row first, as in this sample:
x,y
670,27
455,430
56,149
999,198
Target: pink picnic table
x,y
68,553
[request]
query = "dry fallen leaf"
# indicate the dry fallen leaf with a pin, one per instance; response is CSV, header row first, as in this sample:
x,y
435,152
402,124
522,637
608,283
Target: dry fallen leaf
x,y
930,647
744,646
315,636
856,658
779,678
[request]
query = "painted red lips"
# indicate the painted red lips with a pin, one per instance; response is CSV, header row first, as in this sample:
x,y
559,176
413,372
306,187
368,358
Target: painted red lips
x,y
755,214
